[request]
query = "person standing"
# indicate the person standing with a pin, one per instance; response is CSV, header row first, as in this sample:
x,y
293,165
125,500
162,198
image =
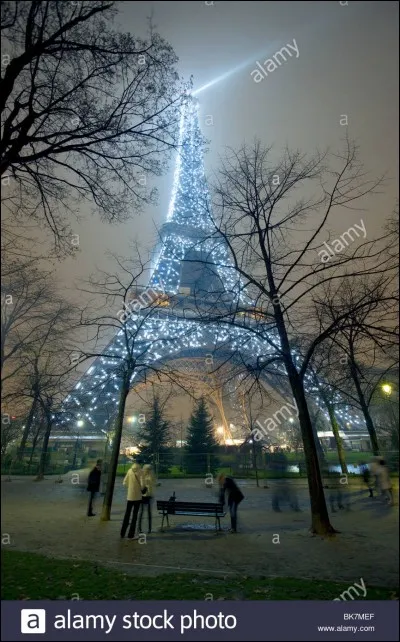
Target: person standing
x,y
148,482
93,486
133,481
235,496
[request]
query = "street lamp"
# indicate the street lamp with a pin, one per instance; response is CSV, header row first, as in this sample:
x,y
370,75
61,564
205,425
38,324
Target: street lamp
x,y
80,423
387,388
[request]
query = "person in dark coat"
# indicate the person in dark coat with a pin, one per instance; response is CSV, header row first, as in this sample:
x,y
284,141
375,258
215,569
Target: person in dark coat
x,y
148,482
93,486
235,496
367,477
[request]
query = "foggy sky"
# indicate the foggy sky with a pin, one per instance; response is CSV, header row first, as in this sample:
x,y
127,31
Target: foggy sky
x,y
347,64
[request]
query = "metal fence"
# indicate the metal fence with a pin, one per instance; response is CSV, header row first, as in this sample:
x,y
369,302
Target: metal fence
x,y
179,464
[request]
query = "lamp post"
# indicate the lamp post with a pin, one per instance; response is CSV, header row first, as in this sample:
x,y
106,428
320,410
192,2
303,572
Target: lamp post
x,y
79,424
387,389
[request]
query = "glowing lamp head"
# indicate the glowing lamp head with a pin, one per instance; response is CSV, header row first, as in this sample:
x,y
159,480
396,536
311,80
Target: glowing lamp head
x,y
387,388
80,423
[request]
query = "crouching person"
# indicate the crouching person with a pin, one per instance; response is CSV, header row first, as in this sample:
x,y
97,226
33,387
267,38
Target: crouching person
x,y
235,496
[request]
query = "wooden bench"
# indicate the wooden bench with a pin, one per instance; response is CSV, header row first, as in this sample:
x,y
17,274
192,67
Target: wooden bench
x,y
197,509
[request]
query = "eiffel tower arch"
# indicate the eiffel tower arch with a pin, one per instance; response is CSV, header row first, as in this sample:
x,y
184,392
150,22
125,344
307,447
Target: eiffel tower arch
x,y
196,281
195,376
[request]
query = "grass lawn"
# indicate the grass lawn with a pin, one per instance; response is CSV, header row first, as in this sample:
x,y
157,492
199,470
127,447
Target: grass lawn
x,y
30,576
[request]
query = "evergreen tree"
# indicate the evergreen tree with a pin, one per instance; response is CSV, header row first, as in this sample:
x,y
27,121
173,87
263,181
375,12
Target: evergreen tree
x,y
154,438
201,443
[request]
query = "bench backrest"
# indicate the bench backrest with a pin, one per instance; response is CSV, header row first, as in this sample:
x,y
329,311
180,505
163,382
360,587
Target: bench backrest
x,y
193,507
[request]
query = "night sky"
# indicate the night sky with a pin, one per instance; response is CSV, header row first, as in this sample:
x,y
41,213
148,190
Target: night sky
x,y
347,65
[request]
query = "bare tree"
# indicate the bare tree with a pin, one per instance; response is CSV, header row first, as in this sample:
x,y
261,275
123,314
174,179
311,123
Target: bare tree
x,y
88,112
366,339
33,319
276,240
130,353
20,247
27,295
46,358
10,431
328,376
48,400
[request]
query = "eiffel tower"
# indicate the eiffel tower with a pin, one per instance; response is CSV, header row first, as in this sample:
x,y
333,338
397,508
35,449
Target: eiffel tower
x,y
193,268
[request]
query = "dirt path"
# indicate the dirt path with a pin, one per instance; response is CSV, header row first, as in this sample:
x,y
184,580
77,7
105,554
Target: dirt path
x,y
49,518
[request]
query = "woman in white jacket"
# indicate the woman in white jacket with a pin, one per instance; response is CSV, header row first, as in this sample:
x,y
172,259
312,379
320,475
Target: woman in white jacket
x,y
133,480
148,482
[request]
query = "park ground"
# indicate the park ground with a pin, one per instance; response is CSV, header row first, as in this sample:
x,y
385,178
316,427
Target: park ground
x,y
52,550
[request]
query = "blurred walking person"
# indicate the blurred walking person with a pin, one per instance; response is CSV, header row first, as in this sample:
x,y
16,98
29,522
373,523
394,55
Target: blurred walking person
x,y
93,486
385,483
235,496
367,478
148,483
373,466
335,491
282,491
133,481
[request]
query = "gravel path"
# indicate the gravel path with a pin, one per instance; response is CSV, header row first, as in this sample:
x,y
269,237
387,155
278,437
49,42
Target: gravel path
x,y
49,518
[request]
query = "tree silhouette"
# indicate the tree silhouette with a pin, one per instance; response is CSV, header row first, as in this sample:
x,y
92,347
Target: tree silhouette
x,y
87,112
201,442
154,437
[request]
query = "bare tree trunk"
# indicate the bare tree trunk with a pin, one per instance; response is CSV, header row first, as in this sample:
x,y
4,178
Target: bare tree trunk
x,y
27,428
105,468
320,523
320,450
364,407
34,442
45,446
108,497
255,462
338,439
